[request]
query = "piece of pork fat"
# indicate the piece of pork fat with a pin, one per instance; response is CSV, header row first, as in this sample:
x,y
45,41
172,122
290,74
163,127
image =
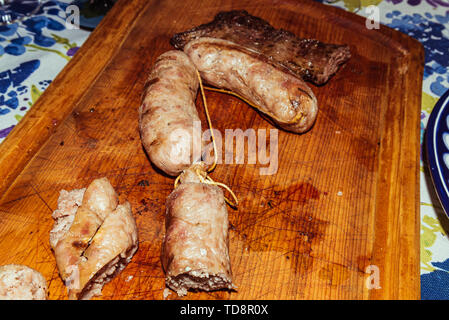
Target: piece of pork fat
x,y
89,211
195,249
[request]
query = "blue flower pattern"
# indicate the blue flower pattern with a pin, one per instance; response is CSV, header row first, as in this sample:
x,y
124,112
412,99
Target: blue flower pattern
x,y
429,29
435,285
12,79
34,27
41,32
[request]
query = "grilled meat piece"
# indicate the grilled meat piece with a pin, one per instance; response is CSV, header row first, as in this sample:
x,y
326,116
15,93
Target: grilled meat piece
x,y
309,59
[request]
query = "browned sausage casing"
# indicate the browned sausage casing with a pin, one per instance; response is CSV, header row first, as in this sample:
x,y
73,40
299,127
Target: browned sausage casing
x,y
93,238
168,113
195,249
287,100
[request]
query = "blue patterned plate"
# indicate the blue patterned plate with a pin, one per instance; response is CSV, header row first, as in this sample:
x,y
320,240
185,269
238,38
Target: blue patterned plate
x,y
437,141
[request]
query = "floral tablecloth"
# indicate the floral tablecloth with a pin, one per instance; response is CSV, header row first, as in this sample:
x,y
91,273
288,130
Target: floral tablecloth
x,y
33,52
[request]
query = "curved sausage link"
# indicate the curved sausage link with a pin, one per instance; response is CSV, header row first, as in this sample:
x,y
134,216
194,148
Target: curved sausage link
x,y
168,113
287,100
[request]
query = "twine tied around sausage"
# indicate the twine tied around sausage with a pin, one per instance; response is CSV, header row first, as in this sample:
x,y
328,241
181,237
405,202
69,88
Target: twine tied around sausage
x,y
203,175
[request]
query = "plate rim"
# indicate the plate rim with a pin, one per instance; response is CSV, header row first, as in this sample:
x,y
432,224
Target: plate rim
x,y
440,186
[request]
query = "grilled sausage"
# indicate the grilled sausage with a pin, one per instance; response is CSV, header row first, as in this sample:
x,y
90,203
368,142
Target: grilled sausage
x,y
285,99
168,113
195,249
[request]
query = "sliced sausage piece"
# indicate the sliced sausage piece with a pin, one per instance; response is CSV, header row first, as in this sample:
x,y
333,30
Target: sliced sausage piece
x,y
285,99
195,249
168,115
100,197
109,252
68,204
19,282
93,238
98,200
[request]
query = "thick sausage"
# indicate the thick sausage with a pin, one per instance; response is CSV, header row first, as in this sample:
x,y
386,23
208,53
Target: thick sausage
x,y
195,249
168,113
287,100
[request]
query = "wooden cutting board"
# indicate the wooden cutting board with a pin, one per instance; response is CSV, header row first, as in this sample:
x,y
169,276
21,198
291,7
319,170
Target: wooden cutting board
x,y
339,219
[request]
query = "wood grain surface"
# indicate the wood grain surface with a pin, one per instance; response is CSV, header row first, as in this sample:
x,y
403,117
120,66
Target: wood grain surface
x,y
341,209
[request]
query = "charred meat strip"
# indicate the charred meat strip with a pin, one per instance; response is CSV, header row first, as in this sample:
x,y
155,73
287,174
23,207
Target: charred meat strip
x,y
309,59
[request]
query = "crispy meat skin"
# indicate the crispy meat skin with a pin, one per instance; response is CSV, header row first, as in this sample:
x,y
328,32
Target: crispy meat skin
x,y
310,59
